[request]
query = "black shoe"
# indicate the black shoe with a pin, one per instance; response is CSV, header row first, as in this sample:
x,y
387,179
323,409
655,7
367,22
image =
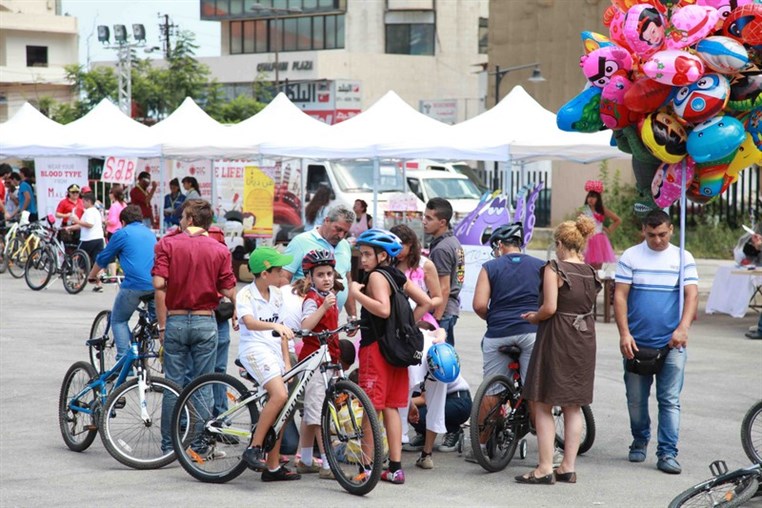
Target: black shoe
x,y
282,474
255,458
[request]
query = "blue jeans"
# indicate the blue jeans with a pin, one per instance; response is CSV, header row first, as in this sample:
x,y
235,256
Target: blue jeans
x,y
125,305
669,384
190,345
221,365
448,323
457,410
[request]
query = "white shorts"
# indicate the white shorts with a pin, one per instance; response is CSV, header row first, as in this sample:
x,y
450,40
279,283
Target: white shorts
x,y
262,363
314,395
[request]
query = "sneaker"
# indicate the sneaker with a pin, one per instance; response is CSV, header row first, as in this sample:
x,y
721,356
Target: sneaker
x,y
227,439
97,289
425,462
450,442
282,474
254,458
326,474
208,454
753,335
361,476
637,452
415,444
669,465
303,468
397,477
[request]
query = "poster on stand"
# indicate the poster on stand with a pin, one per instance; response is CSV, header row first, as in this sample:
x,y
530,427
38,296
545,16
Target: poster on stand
x,y
152,166
258,191
476,256
228,176
121,170
54,175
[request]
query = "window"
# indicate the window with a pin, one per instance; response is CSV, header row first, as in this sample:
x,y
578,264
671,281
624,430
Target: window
x,y
236,38
410,39
260,34
483,36
318,32
36,56
248,37
304,33
287,34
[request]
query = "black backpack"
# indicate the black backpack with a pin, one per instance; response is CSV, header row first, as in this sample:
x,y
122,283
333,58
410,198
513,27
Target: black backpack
x,y
402,341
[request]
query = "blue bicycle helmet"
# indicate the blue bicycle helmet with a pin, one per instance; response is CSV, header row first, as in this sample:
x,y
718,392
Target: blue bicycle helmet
x,y
443,362
382,239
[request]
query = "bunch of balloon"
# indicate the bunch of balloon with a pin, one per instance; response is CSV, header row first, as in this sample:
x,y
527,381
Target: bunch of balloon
x,y
679,82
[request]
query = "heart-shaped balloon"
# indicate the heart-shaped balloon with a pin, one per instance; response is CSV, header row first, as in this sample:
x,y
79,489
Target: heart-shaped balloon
x,y
690,24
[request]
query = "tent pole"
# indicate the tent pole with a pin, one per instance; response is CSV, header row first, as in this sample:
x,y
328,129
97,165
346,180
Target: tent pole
x,y
681,280
404,185
214,186
376,183
161,186
303,189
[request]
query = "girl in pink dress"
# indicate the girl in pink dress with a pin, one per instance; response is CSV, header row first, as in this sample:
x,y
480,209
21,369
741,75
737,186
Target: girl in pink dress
x,y
599,248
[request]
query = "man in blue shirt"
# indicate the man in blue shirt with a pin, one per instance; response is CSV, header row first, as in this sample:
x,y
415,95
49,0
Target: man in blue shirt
x,y
27,199
134,246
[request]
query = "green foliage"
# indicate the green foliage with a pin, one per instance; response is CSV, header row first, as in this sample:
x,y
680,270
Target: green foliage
x,y
238,109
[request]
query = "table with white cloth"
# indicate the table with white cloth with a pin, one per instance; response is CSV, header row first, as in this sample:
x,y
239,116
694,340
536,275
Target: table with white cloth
x,y
734,290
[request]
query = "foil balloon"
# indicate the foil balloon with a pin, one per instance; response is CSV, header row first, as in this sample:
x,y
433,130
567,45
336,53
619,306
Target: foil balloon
x,y
592,41
715,139
746,91
646,95
668,179
703,99
674,67
747,154
690,24
724,7
644,29
603,63
581,113
712,177
753,124
722,54
614,113
613,18
744,24
664,137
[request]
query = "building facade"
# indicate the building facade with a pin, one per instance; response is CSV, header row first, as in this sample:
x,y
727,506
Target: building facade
x,y
36,42
335,58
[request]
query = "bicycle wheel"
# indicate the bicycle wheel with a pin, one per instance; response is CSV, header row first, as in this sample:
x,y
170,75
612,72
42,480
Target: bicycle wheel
x,y
78,428
490,424
586,438
75,271
39,268
16,260
209,456
724,491
102,327
345,409
751,433
126,435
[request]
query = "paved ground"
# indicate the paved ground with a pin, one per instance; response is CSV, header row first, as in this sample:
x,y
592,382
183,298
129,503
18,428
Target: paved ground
x,y
41,334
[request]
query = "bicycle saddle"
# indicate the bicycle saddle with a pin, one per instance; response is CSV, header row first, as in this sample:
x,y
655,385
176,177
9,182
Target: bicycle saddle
x,y
97,343
512,351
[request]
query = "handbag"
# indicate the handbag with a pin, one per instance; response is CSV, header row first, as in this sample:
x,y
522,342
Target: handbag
x,y
647,361
224,311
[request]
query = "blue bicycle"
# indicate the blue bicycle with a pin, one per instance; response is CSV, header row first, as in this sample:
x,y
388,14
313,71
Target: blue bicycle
x,y
127,412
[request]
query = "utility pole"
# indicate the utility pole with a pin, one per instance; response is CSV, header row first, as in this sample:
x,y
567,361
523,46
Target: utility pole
x,y
166,31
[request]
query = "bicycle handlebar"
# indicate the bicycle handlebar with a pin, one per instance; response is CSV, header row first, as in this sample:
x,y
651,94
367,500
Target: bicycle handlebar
x,y
349,326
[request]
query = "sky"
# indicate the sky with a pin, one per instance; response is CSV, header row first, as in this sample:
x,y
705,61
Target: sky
x,y
184,13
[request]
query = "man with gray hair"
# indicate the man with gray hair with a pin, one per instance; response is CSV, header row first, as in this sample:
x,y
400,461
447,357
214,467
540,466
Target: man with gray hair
x,y
329,235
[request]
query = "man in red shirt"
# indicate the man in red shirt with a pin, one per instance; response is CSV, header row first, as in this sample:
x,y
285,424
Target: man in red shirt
x,y
190,271
140,195
71,203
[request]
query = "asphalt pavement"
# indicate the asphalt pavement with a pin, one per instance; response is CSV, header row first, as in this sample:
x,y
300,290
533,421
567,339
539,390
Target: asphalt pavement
x,y
43,333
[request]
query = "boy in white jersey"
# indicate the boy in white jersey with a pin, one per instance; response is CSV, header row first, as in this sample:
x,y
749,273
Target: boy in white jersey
x,y
265,356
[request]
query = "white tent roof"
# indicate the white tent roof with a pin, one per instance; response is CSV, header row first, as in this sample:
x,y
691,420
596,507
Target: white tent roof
x,y
106,131
30,133
190,133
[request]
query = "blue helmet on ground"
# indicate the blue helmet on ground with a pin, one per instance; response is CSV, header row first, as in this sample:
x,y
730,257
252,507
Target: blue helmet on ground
x,y
443,362
382,239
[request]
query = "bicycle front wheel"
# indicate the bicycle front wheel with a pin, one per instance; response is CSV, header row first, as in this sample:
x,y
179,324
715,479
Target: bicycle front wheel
x,y
129,438
78,427
209,447
16,259
586,438
493,436
725,491
348,417
751,433
40,266
101,327
75,271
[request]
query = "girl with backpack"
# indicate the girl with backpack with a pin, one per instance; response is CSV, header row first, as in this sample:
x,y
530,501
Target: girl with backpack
x,y
385,384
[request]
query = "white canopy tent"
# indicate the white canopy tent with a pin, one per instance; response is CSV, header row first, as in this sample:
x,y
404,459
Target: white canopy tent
x,y
31,134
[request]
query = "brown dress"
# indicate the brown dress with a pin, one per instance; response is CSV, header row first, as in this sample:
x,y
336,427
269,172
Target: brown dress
x,y
562,367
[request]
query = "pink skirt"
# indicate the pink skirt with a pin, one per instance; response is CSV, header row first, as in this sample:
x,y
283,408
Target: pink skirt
x,y
599,250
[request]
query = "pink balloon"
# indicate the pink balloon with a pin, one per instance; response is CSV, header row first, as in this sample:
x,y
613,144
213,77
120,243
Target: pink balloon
x,y
604,63
644,29
674,67
690,24
667,180
724,6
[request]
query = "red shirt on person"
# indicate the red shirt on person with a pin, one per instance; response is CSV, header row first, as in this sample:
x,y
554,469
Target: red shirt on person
x,y
66,206
196,267
139,196
329,321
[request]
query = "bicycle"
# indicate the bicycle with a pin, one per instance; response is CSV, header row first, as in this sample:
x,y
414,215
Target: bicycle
x,y
345,411
500,418
20,241
751,433
51,258
725,489
126,412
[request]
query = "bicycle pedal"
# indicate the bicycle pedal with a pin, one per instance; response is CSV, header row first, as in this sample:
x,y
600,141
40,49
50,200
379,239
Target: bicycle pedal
x,y
120,403
92,426
718,467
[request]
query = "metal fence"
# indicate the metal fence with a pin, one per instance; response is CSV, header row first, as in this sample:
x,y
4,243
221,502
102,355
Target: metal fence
x,y
493,179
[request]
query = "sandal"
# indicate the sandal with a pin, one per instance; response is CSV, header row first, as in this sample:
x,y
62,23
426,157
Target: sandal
x,y
532,479
565,477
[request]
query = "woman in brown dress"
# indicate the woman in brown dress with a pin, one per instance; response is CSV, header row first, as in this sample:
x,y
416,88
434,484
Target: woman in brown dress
x,y
562,367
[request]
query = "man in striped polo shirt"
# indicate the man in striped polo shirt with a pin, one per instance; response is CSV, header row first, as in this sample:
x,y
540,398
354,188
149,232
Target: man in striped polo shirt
x,y
646,306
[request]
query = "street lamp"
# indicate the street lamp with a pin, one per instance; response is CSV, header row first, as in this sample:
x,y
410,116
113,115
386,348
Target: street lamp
x,y
536,76
124,52
276,15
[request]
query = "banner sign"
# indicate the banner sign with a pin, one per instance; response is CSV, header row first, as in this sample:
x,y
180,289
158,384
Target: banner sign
x,y
258,191
329,101
201,170
54,175
120,170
